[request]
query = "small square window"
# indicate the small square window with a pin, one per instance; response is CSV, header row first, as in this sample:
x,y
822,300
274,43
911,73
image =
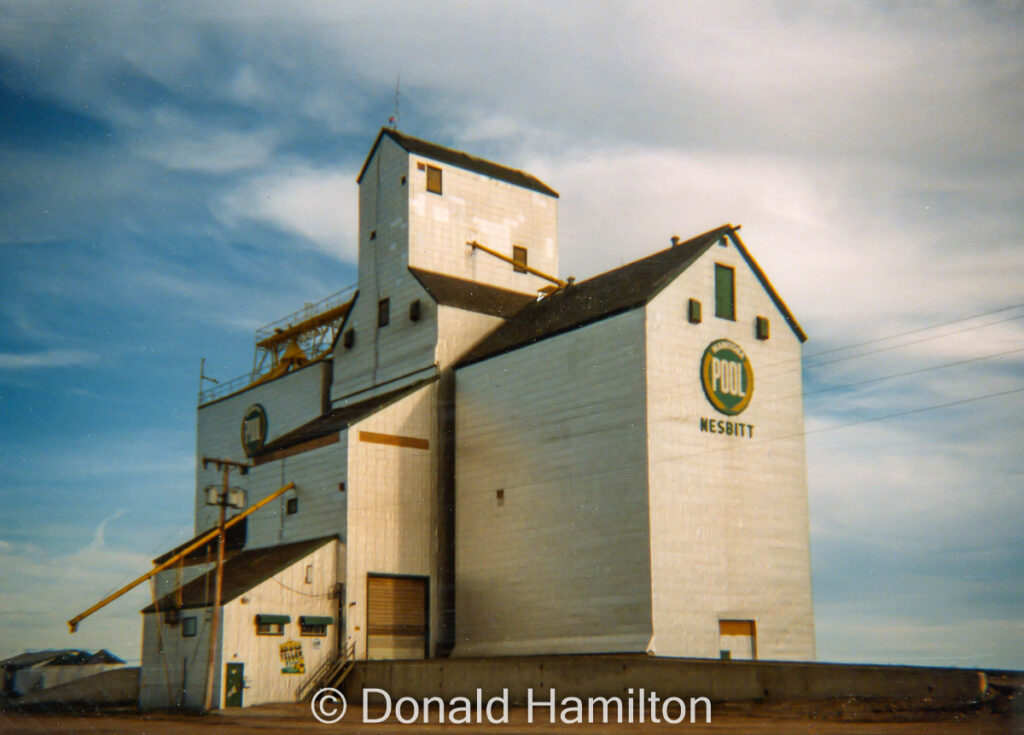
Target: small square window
x,y
725,292
373,235
309,574
188,627
349,339
500,496
693,311
519,257
763,327
383,312
434,179
414,311
292,506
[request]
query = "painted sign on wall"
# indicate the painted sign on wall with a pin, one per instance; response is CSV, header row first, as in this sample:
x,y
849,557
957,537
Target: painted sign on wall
x,y
727,377
291,657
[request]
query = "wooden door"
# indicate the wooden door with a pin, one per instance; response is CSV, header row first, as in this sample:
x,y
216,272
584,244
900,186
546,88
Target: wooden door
x,y
234,682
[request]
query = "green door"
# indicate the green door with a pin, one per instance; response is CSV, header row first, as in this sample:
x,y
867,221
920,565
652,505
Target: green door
x,y
234,681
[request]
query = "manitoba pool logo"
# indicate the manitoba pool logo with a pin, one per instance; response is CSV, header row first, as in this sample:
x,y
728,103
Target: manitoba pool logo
x,y
727,377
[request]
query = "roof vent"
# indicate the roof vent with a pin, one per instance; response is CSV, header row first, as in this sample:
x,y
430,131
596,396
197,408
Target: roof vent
x,y
675,240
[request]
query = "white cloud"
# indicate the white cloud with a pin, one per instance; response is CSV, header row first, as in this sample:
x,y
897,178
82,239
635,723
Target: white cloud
x,y
318,204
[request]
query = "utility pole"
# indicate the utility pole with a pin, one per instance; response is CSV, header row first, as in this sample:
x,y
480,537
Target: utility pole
x,y
225,466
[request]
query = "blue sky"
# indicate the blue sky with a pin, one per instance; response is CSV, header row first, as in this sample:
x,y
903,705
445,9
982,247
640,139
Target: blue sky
x,y
173,178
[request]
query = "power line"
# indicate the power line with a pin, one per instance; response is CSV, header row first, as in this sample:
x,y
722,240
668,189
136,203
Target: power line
x,y
911,411
917,341
913,331
897,375
901,334
882,349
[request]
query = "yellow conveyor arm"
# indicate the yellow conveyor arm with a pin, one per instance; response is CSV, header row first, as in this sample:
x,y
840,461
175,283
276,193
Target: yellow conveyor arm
x,y
73,623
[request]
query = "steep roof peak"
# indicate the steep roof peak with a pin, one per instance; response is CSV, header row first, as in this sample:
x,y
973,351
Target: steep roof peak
x,y
458,158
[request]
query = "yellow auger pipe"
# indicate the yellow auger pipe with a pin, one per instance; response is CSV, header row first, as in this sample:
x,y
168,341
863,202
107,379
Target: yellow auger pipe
x,y
73,623
477,246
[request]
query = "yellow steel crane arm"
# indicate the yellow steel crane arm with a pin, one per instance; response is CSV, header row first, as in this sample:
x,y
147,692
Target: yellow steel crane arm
x,y
73,623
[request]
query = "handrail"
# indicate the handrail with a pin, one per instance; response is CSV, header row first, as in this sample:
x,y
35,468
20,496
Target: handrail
x,y
306,312
334,666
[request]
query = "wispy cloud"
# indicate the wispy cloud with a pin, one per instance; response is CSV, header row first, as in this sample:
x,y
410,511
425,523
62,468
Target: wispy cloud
x,y
44,359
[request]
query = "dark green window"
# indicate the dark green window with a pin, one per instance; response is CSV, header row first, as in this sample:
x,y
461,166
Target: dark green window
x,y
725,292
694,311
271,624
762,327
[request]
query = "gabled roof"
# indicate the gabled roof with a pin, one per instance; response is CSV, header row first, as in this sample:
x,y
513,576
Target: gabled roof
x,y
458,158
241,573
471,295
31,658
338,419
608,294
60,657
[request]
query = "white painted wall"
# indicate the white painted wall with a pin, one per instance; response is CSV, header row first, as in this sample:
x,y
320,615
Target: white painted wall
x,y
474,207
174,667
170,660
393,505
383,354
729,526
290,401
286,593
459,330
410,226
563,566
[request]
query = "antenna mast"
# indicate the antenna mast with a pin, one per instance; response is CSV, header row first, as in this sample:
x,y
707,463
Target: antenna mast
x,y
393,120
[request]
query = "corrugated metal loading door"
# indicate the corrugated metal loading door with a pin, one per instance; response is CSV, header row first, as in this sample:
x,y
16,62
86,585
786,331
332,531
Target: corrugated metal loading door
x,y
397,617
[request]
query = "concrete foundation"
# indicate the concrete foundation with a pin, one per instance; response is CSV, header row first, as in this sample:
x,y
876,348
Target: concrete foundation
x,y
608,676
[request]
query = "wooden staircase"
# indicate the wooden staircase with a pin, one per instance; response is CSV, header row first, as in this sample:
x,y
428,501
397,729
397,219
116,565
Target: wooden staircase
x,y
331,673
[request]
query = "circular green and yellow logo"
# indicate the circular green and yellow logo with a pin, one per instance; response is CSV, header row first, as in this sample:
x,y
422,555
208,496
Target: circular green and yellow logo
x,y
254,429
727,377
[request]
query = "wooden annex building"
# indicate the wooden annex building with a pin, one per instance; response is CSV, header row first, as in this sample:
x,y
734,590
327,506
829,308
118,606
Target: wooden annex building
x,y
483,459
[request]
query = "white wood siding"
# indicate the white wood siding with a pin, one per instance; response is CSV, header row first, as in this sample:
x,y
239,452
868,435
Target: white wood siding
x,y
286,593
169,659
322,507
729,527
174,667
290,401
458,330
393,505
474,207
562,565
386,353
